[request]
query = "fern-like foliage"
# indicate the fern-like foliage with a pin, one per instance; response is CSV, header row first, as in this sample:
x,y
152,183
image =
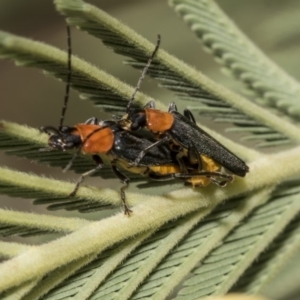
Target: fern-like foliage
x,y
270,262
25,224
187,243
270,85
93,83
238,250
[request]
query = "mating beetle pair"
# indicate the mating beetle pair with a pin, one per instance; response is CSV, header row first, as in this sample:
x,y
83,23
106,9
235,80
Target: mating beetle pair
x,y
123,147
177,147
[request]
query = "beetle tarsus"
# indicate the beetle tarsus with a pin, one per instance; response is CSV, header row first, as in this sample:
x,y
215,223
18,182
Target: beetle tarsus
x,y
127,211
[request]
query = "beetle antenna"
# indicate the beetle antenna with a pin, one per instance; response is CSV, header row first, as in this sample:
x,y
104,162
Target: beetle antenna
x,y
64,109
137,88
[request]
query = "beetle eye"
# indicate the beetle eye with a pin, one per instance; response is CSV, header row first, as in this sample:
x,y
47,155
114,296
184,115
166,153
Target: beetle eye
x,y
56,142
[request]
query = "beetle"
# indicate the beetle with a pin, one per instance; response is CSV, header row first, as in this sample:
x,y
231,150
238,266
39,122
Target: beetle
x,y
121,148
179,132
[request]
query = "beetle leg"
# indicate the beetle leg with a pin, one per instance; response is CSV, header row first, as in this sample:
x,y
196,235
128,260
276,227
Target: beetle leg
x,y
172,107
150,104
204,173
159,177
165,177
182,165
223,182
124,179
192,154
188,114
143,152
107,123
99,164
116,117
93,121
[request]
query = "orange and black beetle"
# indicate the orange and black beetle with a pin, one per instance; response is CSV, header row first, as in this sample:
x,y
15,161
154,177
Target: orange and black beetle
x,y
121,148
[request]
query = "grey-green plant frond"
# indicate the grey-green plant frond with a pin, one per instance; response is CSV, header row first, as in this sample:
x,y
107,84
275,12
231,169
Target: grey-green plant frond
x,y
19,292
215,100
96,272
11,249
193,247
46,190
179,242
240,248
91,82
25,224
150,214
241,58
283,283
271,261
42,286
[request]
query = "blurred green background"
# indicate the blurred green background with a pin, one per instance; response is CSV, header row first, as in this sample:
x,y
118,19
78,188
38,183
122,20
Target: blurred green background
x,y
29,97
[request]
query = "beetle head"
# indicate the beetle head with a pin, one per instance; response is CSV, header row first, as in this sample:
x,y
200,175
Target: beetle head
x,y
63,139
134,120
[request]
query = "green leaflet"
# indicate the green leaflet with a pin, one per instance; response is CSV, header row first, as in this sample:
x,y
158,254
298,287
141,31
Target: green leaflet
x,y
221,269
20,184
177,264
173,267
152,256
271,261
270,84
284,285
82,284
91,82
53,279
10,249
25,224
19,292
